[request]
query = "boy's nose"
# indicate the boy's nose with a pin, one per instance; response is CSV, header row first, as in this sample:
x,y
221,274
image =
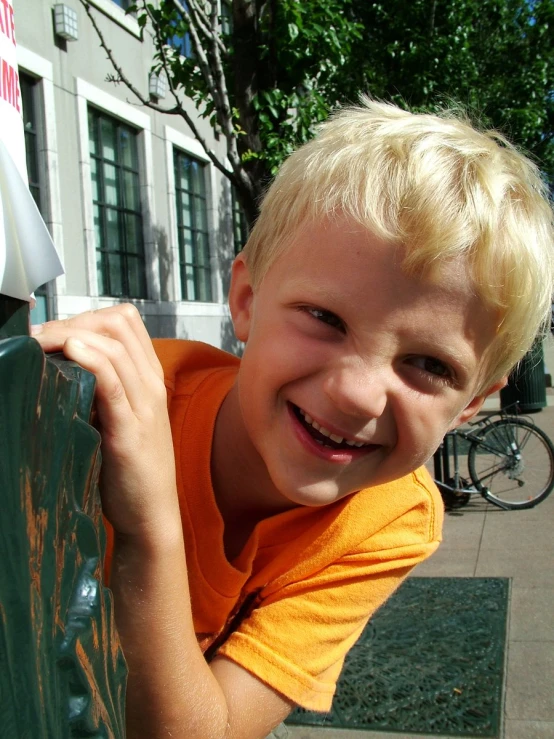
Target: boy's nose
x,y
357,390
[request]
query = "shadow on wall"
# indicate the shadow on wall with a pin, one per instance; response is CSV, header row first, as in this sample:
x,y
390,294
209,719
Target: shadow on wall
x,y
164,261
163,326
229,341
166,325
225,252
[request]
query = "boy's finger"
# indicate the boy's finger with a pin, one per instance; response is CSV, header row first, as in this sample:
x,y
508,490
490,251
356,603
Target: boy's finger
x,y
135,382
112,403
122,323
133,319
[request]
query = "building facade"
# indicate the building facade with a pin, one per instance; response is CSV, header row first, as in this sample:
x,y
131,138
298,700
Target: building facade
x,y
136,209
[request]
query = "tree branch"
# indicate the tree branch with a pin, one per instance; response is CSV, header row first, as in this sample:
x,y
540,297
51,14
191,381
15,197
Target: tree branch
x,y
177,110
432,19
201,21
211,67
121,77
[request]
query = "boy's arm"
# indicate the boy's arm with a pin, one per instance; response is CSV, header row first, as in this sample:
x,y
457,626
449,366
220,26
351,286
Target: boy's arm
x,y
172,691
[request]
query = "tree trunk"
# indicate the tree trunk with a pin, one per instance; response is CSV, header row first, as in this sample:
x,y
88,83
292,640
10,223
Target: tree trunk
x,y
246,65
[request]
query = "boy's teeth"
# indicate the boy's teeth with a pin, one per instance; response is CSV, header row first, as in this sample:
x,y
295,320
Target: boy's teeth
x,y
325,432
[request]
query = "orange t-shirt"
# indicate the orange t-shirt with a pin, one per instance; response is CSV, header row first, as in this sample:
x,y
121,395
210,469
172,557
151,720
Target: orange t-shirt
x,y
298,596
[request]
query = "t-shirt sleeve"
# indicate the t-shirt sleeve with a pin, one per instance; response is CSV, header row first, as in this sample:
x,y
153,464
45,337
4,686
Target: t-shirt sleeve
x,y
297,638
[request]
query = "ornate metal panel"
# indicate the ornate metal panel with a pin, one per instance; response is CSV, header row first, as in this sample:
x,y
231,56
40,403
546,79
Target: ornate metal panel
x,y
62,671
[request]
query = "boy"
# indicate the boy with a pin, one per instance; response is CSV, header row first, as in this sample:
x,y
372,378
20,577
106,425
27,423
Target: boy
x,y
400,266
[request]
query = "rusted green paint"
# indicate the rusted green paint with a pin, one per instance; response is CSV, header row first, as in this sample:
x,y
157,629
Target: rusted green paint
x,y
62,672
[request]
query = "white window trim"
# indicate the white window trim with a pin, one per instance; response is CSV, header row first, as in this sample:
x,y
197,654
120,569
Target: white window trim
x,y
189,145
71,305
87,95
117,14
29,61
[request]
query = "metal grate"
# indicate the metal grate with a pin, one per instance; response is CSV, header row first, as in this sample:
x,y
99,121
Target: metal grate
x,y
431,661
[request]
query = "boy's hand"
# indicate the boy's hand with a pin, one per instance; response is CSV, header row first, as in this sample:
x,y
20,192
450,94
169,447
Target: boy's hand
x,y
138,469
171,689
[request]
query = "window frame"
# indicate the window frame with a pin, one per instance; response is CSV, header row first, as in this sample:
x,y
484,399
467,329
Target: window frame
x,y
185,47
31,84
187,144
30,112
121,207
200,265
118,15
239,224
37,67
89,95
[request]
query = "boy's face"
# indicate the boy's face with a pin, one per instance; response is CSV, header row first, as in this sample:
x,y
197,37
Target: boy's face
x,y
352,372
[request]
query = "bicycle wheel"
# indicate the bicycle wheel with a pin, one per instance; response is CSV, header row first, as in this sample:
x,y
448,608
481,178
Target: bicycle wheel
x,y
513,463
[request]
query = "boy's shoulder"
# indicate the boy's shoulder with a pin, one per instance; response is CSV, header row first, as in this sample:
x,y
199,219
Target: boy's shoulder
x,y
413,502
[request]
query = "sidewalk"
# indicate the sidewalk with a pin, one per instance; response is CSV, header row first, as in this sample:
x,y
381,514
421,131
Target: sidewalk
x,y
483,541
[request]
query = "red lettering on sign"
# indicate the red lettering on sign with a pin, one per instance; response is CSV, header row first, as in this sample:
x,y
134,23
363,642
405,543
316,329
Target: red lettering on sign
x,y
9,85
12,24
7,25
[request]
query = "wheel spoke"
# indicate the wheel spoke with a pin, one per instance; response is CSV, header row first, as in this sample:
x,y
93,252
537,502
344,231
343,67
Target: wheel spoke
x,y
514,461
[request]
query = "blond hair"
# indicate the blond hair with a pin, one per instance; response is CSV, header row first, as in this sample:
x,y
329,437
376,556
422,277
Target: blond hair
x,y
443,190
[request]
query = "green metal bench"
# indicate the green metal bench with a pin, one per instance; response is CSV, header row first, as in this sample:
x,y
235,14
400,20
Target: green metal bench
x,y
62,671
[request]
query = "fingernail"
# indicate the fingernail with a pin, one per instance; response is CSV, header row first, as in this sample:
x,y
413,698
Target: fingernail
x,y
36,328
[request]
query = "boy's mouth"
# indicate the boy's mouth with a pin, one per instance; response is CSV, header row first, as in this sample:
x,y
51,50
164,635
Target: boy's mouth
x,y
323,436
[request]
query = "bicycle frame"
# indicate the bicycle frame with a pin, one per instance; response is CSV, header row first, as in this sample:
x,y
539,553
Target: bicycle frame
x,y
454,487
454,483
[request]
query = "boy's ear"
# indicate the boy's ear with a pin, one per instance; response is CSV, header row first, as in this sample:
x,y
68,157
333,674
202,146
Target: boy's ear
x,y
476,404
241,296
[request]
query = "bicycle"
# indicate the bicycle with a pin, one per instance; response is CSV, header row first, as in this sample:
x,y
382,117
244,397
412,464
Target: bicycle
x,y
510,462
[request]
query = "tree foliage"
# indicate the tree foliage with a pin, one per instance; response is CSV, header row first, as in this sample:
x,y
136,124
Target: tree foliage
x,y
494,57
265,72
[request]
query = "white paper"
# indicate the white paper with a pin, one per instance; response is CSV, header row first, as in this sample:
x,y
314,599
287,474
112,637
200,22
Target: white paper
x,y
28,257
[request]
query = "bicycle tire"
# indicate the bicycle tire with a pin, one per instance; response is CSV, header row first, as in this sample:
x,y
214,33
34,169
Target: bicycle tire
x,y
512,463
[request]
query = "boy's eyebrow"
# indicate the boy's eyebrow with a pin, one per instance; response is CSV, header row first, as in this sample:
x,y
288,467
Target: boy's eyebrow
x,y
317,291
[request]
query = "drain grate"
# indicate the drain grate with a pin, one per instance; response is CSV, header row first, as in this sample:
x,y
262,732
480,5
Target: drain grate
x,y
431,661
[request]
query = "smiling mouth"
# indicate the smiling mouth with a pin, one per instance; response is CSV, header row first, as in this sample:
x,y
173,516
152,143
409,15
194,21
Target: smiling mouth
x,y
323,436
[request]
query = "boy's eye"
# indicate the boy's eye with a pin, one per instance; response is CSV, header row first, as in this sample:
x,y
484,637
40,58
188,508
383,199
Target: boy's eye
x,y
433,366
327,317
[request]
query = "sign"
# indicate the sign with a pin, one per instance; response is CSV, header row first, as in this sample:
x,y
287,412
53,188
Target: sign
x,y
28,257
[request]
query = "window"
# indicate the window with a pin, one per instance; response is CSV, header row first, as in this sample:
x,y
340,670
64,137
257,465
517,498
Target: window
x,y
182,42
226,18
116,206
29,90
125,4
28,102
192,227
240,225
